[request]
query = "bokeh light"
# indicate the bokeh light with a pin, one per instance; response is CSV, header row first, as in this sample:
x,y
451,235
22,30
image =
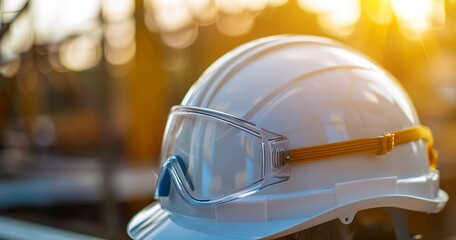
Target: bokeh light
x,y
10,9
21,34
182,38
316,6
120,55
120,34
236,25
413,14
171,15
54,20
341,18
231,6
80,53
178,18
117,10
19,38
11,68
256,6
337,17
205,12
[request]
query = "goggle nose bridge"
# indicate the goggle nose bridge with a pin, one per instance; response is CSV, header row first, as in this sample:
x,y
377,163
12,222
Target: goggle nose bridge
x,y
170,169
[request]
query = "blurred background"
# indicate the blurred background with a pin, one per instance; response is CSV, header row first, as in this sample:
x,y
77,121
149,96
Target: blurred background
x,y
86,86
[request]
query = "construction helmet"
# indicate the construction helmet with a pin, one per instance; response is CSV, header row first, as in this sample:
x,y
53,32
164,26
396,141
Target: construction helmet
x,y
285,133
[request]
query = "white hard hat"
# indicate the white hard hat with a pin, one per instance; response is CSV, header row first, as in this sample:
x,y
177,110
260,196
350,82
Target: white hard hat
x,y
282,134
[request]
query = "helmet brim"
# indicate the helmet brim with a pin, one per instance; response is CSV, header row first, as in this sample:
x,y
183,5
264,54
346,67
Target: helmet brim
x,y
155,223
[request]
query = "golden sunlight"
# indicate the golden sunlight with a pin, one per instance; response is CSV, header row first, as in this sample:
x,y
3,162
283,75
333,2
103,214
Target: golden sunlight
x,y
413,14
379,11
337,17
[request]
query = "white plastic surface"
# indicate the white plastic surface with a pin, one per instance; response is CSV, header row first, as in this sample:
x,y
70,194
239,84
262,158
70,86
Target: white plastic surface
x,y
313,91
187,227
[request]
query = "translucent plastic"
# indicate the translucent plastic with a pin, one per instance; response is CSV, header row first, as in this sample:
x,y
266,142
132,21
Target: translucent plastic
x,y
214,157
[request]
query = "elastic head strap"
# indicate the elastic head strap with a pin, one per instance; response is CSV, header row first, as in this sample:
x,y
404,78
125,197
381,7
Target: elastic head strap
x,y
377,145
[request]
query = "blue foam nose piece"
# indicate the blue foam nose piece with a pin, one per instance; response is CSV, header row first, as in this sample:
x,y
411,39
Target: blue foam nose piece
x,y
164,185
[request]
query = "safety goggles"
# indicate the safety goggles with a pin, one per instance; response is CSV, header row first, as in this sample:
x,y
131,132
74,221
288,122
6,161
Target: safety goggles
x,y
213,157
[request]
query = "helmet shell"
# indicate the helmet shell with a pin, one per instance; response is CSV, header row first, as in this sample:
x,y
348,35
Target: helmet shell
x,y
314,91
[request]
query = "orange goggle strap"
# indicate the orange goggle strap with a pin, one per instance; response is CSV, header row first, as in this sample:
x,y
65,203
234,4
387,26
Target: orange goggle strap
x,y
378,145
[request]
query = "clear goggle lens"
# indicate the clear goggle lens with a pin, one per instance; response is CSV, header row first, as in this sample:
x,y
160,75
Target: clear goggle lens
x,y
214,158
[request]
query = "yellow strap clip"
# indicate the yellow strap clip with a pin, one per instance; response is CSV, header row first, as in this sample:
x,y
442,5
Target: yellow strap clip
x,y
387,143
